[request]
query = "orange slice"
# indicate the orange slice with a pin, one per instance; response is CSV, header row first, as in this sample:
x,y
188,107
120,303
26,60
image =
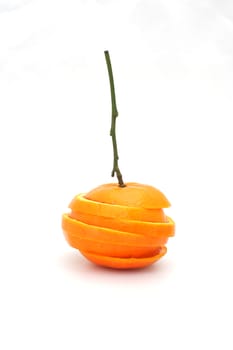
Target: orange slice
x,y
82,230
122,263
81,204
112,249
141,227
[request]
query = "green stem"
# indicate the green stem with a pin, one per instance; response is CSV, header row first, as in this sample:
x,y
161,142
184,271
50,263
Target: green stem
x,y
115,169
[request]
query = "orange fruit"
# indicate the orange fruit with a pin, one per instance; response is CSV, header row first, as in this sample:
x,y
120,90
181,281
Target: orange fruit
x,y
119,227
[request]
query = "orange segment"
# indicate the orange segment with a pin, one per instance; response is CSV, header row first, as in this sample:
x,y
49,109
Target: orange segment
x,y
141,227
121,263
83,205
133,195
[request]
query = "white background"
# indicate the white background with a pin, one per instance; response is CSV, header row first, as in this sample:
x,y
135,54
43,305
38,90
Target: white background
x,y
173,68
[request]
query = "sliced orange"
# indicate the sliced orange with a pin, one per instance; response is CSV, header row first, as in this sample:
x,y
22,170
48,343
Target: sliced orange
x,y
141,227
75,227
110,235
118,227
81,204
124,263
112,249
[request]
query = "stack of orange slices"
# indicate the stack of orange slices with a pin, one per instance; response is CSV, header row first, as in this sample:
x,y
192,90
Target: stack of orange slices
x,y
121,228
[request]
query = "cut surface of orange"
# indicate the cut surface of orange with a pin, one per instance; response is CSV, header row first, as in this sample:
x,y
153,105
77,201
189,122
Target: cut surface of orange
x,y
133,195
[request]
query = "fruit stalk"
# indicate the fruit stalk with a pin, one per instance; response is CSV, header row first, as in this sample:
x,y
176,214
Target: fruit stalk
x,y
115,169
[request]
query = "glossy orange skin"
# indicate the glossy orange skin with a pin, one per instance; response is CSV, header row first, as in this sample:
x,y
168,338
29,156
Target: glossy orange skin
x,y
117,227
